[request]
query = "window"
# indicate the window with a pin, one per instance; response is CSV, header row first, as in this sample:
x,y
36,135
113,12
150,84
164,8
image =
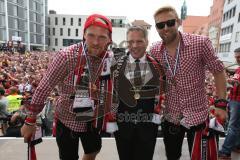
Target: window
x,y
49,20
229,14
79,21
225,47
56,21
69,32
61,31
56,42
121,23
231,29
34,27
71,21
34,17
227,30
239,17
14,11
237,36
76,32
2,9
33,38
229,1
13,22
117,22
234,10
64,21
68,42
2,20
3,34
49,41
34,6
227,17
49,31
53,32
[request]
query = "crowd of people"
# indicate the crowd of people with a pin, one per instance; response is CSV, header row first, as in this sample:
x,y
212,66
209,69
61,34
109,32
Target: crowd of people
x,y
20,74
95,90
12,46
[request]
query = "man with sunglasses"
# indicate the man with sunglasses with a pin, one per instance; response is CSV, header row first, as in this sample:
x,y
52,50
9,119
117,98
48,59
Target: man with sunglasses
x,y
185,58
82,75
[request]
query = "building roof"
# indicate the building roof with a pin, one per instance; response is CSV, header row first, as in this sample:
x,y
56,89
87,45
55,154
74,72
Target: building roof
x,y
141,23
202,30
192,24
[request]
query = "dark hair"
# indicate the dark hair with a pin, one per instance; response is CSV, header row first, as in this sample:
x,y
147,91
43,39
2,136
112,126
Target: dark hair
x,y
237,50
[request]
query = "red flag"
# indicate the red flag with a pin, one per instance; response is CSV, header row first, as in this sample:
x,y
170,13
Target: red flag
x,y
31,152
204,145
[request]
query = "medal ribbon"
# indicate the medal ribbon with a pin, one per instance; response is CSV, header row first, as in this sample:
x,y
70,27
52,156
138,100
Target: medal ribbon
x,y
176,61
92,82
88,65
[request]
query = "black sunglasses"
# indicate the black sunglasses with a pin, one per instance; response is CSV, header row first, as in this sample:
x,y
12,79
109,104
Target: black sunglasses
x,y
169,23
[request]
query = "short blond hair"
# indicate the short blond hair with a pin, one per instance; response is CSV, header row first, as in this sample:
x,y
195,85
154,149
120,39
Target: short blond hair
x,y
166,8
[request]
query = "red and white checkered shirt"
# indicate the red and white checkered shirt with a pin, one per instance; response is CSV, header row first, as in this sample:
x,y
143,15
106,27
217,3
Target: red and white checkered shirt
x,y
235,89
61,73
187,99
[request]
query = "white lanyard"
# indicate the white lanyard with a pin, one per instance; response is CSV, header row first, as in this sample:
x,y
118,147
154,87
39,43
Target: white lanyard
x,y
88,64
176,61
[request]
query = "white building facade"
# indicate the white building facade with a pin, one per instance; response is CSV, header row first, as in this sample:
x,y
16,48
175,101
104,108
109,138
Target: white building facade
x,y
65,30
230,31
24,21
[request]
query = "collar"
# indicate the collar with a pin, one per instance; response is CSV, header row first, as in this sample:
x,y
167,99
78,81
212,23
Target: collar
x,y
185,38
142,59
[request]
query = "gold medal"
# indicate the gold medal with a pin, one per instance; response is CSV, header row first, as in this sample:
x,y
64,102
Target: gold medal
x,y
137,95
93,87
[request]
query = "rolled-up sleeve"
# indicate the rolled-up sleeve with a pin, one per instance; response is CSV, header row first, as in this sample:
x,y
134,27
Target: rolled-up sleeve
x,y
55,73
210,58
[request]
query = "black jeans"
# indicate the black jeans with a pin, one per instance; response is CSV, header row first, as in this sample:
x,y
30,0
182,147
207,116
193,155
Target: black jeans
x,y
68,141
136,141
173,136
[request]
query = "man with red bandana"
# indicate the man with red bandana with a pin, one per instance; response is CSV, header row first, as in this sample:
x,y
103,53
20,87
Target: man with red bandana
x,y
82,75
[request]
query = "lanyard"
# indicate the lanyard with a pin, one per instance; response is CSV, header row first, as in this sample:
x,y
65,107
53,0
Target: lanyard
x,y
176,61
88,65
79,67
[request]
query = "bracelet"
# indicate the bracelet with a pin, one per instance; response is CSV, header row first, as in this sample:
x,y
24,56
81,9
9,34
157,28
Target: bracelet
x,y
29,124
221,104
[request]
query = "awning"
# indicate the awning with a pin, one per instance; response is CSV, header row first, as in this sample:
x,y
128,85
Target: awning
x,y
229,66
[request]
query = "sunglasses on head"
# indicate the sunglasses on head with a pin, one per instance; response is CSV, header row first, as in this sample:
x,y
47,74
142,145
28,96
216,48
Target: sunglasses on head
x,y
169,23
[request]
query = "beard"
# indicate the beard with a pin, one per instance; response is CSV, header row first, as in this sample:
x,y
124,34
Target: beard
x,y
169,38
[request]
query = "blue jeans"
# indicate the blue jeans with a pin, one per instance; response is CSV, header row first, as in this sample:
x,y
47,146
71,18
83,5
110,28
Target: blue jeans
x,y
232,139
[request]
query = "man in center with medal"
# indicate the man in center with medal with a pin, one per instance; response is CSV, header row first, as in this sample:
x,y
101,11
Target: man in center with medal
x,y
137,83
82,75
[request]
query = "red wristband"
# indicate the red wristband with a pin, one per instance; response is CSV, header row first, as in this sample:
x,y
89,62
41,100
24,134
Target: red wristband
x,y
30,120
111,117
